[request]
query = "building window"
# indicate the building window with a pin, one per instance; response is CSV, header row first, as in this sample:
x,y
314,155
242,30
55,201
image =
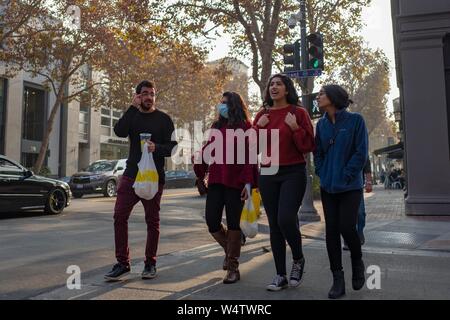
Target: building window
x,y
106,121
3,86
83,126
113,151
447,80
115,118
33,114
109,119
33,124
83,121
112,147
105,129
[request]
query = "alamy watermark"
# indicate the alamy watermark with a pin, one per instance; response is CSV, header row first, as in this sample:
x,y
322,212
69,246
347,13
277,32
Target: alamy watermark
x,y
237,147
74,280
373,282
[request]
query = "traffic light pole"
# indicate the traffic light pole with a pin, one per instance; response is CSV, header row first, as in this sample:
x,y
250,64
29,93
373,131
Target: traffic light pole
x,y
307,211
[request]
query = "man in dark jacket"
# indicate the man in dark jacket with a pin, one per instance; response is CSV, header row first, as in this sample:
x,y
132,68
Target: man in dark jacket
x,y
142,119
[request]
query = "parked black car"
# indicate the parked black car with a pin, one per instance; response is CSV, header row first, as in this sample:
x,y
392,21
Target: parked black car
x,y
101,176
21,189
179,179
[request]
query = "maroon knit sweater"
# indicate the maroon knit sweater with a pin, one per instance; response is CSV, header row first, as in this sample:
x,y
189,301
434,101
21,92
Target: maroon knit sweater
x,y
231,175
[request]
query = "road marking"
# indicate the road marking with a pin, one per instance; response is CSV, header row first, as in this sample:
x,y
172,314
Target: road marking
x,y
179,194
171,195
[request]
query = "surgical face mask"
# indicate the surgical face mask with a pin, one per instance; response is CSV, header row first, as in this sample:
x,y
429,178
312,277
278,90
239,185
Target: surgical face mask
x,y
223,110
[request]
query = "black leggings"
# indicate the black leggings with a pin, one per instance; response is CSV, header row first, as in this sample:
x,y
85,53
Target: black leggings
x,y
282,196
220,196
341,214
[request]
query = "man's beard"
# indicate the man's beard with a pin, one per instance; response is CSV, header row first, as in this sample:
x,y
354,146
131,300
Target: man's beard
x,y
146,106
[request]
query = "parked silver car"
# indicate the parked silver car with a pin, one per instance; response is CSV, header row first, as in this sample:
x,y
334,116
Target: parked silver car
x,y
101,176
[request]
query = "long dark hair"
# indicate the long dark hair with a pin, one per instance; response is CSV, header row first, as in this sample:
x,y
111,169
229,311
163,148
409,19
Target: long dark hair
x,y
292,96
337,96
237,112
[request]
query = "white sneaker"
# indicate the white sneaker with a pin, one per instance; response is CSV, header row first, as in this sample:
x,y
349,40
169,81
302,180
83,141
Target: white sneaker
x,y
278,283
296,276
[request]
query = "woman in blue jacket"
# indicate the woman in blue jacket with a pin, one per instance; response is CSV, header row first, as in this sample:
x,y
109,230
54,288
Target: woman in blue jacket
x,y
341,152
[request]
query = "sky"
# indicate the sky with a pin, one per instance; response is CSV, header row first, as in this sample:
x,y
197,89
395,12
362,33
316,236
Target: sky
x,y
377,32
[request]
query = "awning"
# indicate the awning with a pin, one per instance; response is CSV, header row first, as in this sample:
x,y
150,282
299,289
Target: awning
x,y
394,151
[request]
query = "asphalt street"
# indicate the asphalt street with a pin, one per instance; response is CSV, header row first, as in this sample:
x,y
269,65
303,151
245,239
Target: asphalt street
x,y
412,254
36,249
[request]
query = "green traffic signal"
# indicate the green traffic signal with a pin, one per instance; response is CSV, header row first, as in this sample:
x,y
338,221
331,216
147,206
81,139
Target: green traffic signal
x,y
315,63
315,51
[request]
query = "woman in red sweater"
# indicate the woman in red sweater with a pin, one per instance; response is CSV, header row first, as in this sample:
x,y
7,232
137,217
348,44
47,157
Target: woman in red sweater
x,y
282,193
227,178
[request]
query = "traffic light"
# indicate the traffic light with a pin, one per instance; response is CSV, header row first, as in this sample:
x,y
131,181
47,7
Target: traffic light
x,y
291,56
312,106
315,51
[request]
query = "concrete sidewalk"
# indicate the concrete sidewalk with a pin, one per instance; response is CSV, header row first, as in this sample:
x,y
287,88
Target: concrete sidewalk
x,y
413,255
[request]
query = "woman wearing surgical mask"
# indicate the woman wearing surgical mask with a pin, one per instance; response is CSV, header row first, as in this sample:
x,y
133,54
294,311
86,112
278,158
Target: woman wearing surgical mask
x,y
228,179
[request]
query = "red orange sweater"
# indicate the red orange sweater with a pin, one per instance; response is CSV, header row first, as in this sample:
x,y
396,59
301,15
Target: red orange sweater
x,y
292,144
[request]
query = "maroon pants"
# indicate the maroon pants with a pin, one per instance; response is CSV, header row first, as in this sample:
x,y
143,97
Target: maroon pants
x,y
126,200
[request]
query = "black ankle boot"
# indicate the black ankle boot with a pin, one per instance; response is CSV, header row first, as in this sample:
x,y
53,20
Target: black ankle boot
x,y
338,288
358,274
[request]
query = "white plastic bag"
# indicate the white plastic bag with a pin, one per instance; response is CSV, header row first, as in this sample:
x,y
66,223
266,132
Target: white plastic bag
x,y
146,183
249,216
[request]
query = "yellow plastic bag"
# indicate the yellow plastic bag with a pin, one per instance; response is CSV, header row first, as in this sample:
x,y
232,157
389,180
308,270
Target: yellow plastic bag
x,y
146,183
250,214
256,197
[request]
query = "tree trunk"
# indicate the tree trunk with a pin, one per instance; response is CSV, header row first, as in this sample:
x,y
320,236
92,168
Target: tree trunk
x,y
266,72
45,141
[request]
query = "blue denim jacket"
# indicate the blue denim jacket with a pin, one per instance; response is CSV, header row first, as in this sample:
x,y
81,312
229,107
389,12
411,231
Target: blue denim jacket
x,y
339,165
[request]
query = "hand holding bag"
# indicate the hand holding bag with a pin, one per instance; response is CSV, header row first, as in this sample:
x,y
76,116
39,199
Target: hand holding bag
x,y
202,185
146,183
249,216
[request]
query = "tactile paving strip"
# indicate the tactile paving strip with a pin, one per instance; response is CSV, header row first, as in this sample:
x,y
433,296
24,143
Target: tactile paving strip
x,y
388,239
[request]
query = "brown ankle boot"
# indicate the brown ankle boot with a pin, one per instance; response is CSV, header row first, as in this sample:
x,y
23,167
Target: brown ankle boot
x,y
221,238
234,251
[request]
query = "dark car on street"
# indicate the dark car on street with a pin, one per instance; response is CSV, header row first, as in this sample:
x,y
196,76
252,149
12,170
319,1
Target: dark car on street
x,y
179,179
101,176
21,189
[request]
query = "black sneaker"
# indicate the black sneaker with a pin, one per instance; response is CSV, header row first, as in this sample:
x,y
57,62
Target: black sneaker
x,y
296,275
118,272
149,271
278,283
